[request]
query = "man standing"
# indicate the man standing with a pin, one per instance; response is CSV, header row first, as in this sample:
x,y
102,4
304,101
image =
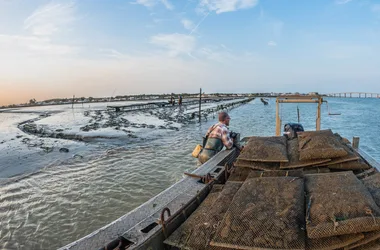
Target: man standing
x,y
217,136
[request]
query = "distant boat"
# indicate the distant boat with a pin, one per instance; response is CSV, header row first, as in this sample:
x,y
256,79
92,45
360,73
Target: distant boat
x,y
335,113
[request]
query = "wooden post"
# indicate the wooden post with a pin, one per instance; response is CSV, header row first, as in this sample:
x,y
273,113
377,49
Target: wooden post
x,y
200,103
72,105
298,114
278,120
355,142
318,121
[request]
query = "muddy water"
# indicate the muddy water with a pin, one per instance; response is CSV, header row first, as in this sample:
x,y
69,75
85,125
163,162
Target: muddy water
x,y
62,203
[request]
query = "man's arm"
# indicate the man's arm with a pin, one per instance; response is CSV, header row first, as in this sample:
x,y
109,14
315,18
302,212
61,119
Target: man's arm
x,y
226,139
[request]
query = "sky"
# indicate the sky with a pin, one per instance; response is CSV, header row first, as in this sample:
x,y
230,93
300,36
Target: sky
x,y
56,49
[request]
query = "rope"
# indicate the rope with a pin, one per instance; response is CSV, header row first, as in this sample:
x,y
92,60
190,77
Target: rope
x,y
369,212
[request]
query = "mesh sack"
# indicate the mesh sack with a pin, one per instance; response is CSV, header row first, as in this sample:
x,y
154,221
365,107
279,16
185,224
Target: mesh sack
x,y
216,188
194,225
267,166
337,204
372,183
351,156
368,237
331,243
342,139
239,174
294,155
365,173
351,165
316,170
265,149
319,132
319,145
197,230
266,213
276,173
374,245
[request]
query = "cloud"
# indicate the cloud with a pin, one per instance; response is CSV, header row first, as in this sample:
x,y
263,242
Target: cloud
x,y
199,23
272,43
187,24
113,53
32,45
42,25
342,1
168,5
220,54
50,18
176,44
221,6
146,3
152,3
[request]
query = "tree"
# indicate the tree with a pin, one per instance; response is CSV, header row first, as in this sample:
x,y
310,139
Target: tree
x,y
32,101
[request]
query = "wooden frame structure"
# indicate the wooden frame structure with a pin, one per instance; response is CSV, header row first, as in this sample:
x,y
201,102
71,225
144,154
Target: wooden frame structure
x,y
298,99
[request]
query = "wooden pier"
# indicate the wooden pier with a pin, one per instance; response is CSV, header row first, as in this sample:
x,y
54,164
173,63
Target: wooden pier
x,y
162,104
354,95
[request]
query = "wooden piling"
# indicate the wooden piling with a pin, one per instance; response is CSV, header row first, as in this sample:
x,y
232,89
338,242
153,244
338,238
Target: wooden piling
x,y
200,103
355,142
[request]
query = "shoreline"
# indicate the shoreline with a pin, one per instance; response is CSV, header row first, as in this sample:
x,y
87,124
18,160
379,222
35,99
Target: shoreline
x,y
42,138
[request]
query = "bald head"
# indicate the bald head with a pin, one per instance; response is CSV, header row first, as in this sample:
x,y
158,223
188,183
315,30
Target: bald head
x,y
224,118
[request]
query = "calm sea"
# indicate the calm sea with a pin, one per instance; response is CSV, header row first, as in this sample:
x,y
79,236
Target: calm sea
x,y
62,203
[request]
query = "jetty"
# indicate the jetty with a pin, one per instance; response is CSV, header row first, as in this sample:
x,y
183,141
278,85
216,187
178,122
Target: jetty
x,y
354,95
162,104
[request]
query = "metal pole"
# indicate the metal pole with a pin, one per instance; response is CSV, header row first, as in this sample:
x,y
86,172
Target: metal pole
x,y
200,103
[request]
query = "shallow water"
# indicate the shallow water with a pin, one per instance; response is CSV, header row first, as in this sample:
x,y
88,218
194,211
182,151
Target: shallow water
x,y
61,203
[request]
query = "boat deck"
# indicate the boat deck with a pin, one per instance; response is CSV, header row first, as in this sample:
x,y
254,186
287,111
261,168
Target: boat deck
x,y
270,203
237,209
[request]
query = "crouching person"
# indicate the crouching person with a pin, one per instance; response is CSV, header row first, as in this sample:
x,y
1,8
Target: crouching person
x,y
216,138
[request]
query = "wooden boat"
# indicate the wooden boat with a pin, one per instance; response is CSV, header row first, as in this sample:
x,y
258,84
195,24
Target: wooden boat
x,y
153,224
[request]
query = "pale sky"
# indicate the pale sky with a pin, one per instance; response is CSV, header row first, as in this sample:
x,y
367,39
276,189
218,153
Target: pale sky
x,y
52,49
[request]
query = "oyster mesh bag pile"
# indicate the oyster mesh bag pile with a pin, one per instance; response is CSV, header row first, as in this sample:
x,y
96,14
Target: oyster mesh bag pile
x,y
303,193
